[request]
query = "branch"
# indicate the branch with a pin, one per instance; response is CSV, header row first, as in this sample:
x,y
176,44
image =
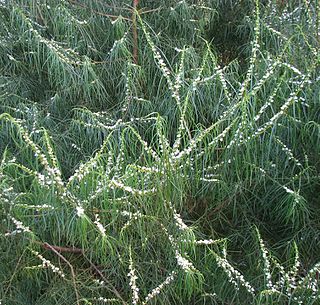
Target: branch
x,y
46,245
113,17
63,249
112,289
59,249
134,31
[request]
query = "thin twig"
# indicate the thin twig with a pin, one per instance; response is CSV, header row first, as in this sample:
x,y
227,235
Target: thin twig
x,y
57,249
113,17
134,31
60,249
65,249
112,289
13,274
46,245
150,11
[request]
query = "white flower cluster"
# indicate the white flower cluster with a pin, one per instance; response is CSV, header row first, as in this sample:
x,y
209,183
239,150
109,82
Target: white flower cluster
x,y
220,137
164,69
83,170
289,191
145,169
54,173
99,282
101,187
128,90
218,71
179,221
44,180
291,277
293,68
99,225
75,146
266,263
178,79
36,207
177,217
267,74
100,125
47,264
184,263
132,276
207,241
120,160
288,152
132,218
117,43
253,57
145,146
312,280
267,104
117,184
70,17
6,193
80,211
291,100
274,31
289,282
235,277
19,227
105,300
67,56
159,288
290,16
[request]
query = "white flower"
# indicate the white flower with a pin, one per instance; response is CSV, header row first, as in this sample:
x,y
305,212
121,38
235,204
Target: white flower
x,y
80,211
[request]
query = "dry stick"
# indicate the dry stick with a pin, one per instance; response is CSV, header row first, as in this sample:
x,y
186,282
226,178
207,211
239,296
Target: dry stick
x,y
64,249
114,7
46,245
112,289
134,31
114,17
150,11
13,274
59,249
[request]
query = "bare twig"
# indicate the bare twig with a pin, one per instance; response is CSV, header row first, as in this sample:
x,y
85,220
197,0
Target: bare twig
x,y
46,245
13,274
113,17
59,249
134,31
64,249
112,289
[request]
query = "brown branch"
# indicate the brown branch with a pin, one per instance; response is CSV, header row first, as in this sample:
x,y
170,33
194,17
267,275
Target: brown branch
x,y
114,7
59,249
63,249
113,17
14,273
47,246
150,11
112,289
134,31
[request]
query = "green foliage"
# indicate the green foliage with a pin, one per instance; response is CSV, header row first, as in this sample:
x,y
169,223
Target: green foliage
x,y
188,177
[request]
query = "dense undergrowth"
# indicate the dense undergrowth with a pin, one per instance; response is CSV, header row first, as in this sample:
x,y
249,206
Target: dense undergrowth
x,y
185,174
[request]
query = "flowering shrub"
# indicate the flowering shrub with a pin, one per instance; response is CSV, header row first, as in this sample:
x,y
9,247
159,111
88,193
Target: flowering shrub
x,y
182,178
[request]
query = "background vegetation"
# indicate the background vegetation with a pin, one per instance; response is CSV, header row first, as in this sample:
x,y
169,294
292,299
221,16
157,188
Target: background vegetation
x,y
159,152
